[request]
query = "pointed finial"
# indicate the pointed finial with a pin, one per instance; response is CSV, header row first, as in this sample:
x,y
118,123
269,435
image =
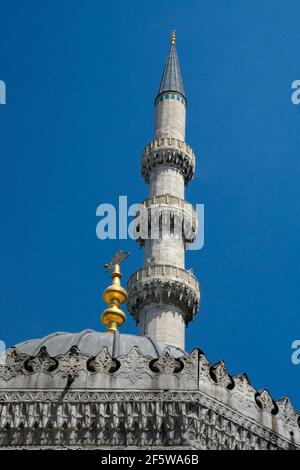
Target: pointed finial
x,y
114,295
173,37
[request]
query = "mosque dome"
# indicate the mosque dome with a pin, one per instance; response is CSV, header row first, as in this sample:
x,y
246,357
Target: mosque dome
x,y
91,342
91,360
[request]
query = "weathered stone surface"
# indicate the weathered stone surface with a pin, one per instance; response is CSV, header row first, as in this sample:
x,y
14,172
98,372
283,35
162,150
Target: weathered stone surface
x,y
135,400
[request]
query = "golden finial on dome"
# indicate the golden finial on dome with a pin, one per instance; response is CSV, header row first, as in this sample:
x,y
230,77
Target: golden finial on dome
x,y
114,295
173,36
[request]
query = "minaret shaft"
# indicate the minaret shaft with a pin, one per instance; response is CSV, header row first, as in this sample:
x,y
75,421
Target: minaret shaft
x,y
165,323
166,180
170,117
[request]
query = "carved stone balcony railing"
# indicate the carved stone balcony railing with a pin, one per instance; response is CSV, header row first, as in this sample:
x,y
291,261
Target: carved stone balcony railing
x,y
163,271
171,152
169,199
166,214
164,284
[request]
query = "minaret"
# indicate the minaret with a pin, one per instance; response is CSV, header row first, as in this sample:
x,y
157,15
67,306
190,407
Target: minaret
x,y
163,295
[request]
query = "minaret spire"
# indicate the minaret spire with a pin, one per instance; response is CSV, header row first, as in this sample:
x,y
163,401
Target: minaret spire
x,y
171,79
163,295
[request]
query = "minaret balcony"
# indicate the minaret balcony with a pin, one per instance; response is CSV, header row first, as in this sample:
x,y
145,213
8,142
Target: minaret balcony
x,y
170,152
166,215
164,285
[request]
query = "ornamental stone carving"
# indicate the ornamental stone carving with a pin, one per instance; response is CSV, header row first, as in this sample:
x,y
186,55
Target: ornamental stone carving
x,y
42,362
102,363
11,364
146,419
134,365
220,374
288,415
265,401
166,363
168,285
190,366
72,362
216,412
204,368
243,391
170,152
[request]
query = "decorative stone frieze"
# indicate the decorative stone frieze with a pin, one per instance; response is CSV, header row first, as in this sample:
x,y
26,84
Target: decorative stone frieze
x,y
89,419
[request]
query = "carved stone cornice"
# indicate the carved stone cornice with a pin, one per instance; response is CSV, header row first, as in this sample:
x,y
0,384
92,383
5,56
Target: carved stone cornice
x,y
166,285
158,418
171,152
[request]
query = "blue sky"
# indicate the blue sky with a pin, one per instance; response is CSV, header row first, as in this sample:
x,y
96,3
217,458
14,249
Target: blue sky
x,y
81,79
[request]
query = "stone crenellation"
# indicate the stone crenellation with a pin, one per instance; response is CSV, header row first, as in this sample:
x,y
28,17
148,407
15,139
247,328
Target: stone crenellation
x,y
143,401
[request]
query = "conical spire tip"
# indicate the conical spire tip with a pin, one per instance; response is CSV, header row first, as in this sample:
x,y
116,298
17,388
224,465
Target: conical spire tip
x,y
171,79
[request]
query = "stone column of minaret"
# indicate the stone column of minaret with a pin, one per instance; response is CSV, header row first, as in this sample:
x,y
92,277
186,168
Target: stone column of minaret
x,y
163,296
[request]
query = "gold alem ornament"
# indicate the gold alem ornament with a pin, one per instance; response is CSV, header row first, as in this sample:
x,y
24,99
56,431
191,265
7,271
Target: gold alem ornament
x,y
114,295
173,37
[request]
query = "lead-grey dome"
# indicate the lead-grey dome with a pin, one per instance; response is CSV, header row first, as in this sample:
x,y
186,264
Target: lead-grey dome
x,y
91,342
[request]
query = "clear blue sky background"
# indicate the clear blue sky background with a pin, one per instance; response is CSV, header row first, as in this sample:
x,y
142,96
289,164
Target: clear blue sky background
x,y
81,79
